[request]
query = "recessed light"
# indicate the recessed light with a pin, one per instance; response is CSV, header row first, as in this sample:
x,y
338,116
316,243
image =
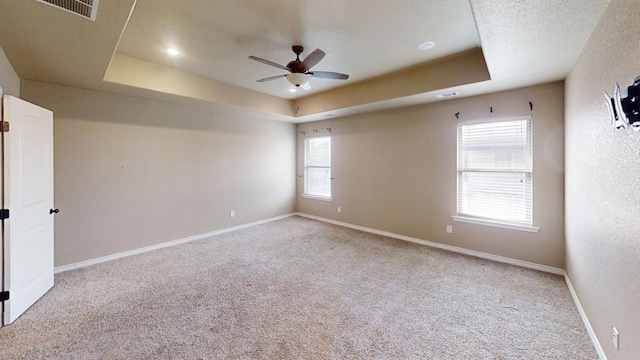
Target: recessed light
x,y
427,45
172,51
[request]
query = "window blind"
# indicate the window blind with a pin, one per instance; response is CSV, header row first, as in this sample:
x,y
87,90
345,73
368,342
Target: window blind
x,y
495,171
318,167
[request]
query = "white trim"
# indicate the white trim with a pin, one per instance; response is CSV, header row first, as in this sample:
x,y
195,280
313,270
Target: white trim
x,y
102,259
316,197
495,223
498,258
585,319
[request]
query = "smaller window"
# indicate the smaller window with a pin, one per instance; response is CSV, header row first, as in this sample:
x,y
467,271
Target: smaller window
x,y
317,167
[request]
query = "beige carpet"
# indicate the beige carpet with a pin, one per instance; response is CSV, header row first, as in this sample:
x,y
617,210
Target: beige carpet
x,y
301,289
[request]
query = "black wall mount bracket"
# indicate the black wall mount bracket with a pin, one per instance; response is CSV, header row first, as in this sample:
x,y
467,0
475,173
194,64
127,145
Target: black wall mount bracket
x,y
624,106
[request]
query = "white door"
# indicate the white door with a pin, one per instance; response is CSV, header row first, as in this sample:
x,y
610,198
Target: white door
x,y
28,194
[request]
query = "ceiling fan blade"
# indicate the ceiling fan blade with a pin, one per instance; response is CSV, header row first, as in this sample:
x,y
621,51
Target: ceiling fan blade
x,y
272,78
268,62
306,86
328,75
312,59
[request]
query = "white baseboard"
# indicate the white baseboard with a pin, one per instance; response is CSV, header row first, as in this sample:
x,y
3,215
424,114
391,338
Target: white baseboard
x,y
102,259
502,259
585,319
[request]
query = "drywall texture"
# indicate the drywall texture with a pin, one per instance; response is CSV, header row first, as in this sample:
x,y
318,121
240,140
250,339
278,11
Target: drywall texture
x,y
9,80
603,190
396,171
134,72
131,173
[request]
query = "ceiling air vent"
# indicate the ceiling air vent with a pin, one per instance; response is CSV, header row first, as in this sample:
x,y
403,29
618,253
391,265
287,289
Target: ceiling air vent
x,y
85,8
448,95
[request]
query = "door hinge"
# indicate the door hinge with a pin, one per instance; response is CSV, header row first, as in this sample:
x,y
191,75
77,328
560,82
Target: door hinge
x,y
4,214
5,126
4,296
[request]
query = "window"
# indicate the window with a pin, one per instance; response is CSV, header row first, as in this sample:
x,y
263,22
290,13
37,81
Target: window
x,y
317,167
495,172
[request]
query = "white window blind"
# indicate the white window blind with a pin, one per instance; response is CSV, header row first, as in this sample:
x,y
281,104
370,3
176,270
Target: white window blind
x,y
317,167
495,171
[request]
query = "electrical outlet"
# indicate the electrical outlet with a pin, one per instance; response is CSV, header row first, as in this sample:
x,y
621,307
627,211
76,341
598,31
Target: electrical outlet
x,y
339,209
615,337
232,214
449,229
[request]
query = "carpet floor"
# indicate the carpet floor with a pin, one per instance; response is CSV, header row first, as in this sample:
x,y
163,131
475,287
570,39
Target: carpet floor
x,y
301,289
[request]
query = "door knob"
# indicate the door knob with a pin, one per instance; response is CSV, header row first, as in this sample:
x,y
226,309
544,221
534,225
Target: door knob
x,y
54,211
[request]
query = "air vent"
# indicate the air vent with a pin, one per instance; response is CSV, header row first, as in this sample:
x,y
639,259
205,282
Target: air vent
x,y
448,95
85,8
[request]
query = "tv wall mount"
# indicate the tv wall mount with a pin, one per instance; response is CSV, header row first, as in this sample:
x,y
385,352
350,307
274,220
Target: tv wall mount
x,y
624,106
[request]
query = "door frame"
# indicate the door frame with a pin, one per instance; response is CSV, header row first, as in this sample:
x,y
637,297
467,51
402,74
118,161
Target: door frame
x,y
2,241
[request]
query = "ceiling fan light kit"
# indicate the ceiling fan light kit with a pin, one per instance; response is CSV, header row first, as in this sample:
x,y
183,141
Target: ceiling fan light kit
x,y
297,79
299,73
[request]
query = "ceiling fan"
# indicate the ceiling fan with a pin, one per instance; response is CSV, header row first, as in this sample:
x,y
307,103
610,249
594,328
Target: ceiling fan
x,y
299,71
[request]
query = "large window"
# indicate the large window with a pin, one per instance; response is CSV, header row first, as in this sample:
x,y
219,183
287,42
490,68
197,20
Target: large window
x,y
317,167
495,171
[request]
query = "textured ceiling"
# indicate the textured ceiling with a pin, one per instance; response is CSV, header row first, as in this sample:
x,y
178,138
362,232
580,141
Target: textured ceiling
x,y
362,38
517,43
533,41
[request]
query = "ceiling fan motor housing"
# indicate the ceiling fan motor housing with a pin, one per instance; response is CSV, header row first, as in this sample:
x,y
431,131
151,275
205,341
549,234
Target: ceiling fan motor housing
x,y
296,66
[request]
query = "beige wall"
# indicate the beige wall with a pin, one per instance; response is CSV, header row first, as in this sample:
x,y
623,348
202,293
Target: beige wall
x,y
131,173
396,171
9,80
603,187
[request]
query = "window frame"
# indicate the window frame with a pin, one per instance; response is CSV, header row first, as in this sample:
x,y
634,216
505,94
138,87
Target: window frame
x,y
529,173
305,192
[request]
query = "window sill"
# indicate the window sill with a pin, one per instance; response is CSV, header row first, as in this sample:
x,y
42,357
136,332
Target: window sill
x,y
316,197
496,223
